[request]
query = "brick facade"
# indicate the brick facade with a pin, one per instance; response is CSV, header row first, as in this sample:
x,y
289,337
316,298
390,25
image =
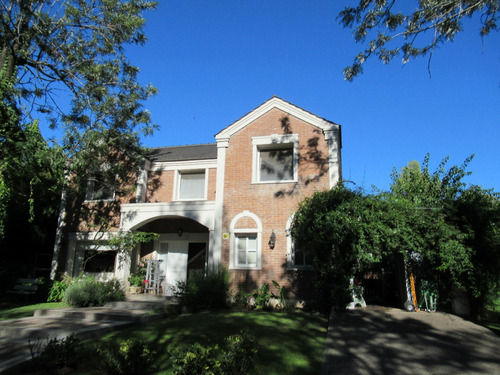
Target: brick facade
x,y
236,203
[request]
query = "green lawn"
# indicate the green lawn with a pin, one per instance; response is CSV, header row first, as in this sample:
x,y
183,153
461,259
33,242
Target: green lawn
x,y
287,343
13,310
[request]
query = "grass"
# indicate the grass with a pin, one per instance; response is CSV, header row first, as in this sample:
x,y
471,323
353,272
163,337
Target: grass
x,y
287,343
17,310
493,317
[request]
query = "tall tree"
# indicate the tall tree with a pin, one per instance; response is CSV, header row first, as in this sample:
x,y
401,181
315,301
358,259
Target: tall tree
x,y
395,28
463,247
75,49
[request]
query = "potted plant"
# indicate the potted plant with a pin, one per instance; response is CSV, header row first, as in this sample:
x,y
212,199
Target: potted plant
x,y
136,280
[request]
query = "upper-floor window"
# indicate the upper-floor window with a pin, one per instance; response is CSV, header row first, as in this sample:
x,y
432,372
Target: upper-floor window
x,y
276,164
191,185
99,187
275,158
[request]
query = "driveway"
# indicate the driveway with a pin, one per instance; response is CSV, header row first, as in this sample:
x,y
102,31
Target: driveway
x,y
379,340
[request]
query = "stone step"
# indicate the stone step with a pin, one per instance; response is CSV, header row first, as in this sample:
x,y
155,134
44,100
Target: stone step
x,y
91,314
49,328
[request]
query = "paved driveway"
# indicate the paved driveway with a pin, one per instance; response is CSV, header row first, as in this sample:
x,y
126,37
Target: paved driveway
x,y
380,340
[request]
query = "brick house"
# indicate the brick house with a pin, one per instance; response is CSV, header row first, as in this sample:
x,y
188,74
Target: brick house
x,y
229,203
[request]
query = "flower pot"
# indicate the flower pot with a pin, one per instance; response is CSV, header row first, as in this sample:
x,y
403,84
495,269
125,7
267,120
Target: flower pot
x,y
135,290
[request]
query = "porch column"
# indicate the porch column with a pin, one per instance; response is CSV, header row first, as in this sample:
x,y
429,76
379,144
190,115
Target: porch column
x,y
215,251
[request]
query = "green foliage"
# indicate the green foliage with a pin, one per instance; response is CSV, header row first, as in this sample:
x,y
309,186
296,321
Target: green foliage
x,y
235,357
396,29
345,233
128,357
67,60
204,291
445,230
58,288
88,292
138,277
261,297
57,353
128,241
281,293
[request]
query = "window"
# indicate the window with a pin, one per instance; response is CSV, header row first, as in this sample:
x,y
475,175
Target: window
x,y
191,185
246,239
99,187
276,164
275,158
300,258
99,261
297,257
246,249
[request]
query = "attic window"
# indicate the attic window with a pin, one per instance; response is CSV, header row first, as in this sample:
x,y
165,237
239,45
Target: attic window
x,y
276,164
275,158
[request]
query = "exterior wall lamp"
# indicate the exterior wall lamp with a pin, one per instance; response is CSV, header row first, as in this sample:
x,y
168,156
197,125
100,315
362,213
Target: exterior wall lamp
x,y
180,232
272,240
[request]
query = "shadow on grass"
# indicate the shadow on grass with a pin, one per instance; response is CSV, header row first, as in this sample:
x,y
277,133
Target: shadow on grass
x,y
287,343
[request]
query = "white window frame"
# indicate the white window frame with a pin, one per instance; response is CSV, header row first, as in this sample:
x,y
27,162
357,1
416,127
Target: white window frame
x,y
238,237
234,232
290,250
82,247
271,142
178,180
90,190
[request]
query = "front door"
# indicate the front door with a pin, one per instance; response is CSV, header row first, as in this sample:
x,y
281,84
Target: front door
x,y
174,257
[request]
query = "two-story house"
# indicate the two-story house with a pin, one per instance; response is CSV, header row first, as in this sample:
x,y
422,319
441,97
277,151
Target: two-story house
x,y
229,203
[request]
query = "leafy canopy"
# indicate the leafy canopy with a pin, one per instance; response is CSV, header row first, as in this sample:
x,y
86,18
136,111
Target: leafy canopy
x,y
446,230
395,28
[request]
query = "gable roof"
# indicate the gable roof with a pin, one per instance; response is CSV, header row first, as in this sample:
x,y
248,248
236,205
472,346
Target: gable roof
x,y
283,105
181,153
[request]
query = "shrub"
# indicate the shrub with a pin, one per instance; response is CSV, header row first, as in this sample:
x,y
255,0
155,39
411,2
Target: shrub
x,y
261,297
128,357
57,353
200,291
58,288
233,358
89,292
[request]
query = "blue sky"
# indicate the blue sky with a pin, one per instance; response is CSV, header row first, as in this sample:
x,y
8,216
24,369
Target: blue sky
x,y
213,62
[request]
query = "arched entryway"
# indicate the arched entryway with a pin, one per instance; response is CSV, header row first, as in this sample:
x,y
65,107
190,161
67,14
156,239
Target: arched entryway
x,y
182,248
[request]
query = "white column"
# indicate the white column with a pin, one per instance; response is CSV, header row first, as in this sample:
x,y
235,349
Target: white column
x,y
215,251
332,136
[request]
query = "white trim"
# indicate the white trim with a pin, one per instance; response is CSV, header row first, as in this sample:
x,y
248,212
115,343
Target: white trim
x,y
215,248
183,165
265,142
177,184
134,215
232,247
334,156
278,103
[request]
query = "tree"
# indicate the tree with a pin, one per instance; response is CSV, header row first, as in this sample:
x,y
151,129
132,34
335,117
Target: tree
x,y
463,248
77,47
411,31
345,233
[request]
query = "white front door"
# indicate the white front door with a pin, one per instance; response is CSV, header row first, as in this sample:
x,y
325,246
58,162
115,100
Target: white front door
x,y
174,256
